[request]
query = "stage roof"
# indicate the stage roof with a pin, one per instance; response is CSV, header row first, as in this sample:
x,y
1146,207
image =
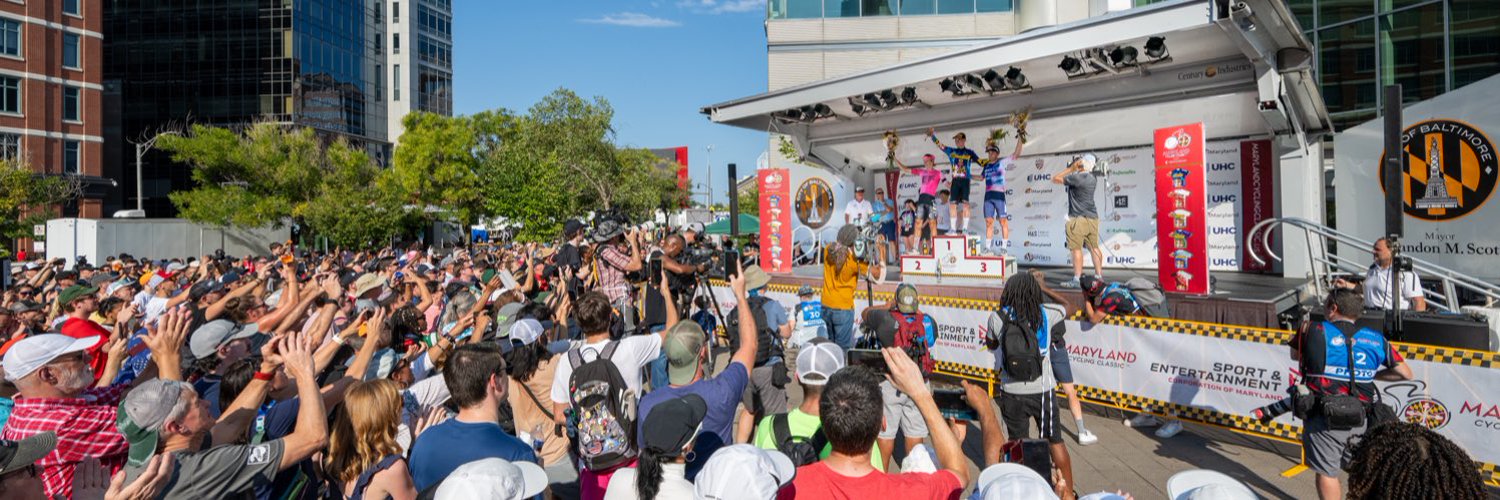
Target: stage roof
x,y
1243,71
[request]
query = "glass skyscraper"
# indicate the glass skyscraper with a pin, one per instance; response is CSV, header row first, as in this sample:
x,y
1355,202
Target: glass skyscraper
x,y
168,63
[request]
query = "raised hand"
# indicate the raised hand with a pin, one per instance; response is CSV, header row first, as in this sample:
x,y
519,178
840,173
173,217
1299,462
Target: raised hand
x,y
905,374
149,485
332,288
297,352
737,282
169,332
436,415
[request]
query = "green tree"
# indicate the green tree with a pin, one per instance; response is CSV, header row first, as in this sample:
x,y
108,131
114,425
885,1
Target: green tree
x,y
28,199
436,167
750,200
269,174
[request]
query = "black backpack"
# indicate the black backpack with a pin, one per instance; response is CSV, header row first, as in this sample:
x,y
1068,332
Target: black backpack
x,y
1021,356
802,450
767,341
604,408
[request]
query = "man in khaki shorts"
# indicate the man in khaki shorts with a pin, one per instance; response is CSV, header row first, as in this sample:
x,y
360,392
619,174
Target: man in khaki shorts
x,y
1080,179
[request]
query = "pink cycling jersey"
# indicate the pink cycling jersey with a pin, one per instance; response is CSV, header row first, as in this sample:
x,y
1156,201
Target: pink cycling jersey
x,y
931,177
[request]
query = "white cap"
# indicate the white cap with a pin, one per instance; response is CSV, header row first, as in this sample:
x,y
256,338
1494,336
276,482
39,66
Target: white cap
x,y
493,478
30,353
525,331
1204,484
1011,480
744,471
817,362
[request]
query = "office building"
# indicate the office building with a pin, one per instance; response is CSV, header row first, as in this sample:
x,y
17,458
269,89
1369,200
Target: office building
x,y
50,84
168,63
418,47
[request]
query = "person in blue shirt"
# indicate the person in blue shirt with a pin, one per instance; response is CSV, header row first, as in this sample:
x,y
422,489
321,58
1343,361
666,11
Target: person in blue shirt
x,y
960,160
994,192
475,376
807,318
688,355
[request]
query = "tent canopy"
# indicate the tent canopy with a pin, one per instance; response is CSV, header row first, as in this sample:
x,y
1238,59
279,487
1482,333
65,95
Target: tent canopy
x,y
1243,71
749,224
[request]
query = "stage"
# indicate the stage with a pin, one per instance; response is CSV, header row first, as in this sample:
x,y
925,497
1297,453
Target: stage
x,y
1246,299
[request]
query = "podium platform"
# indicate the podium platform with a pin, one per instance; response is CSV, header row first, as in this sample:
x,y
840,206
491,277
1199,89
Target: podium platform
x,y
958,256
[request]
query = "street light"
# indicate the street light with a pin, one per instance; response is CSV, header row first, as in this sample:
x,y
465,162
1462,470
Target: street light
x,y
710,161
140,199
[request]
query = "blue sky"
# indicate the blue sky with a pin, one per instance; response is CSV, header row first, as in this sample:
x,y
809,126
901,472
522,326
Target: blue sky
x,y
656,62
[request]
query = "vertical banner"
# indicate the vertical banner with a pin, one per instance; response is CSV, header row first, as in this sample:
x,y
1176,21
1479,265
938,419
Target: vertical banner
x,y
1256,163
1182,209
775,220
892,180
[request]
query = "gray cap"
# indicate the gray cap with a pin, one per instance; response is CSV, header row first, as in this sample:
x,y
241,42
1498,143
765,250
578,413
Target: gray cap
x,y
507,316
142,414
214,334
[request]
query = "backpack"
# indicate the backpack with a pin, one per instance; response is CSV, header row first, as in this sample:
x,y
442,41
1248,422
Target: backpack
x,y
767,341
604,408
802,450
1149,297
911,336
1021,354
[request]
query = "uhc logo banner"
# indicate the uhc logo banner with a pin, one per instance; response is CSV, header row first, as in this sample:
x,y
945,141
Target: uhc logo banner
x,y
1182,209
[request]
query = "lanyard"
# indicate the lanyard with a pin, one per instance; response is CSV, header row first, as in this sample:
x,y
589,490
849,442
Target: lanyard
x,y
260,422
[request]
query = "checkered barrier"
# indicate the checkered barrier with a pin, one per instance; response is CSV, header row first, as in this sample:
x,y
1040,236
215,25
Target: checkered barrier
x,y
1222,371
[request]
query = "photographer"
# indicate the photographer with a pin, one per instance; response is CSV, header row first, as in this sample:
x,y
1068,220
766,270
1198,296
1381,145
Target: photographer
x,y
841,272
619,253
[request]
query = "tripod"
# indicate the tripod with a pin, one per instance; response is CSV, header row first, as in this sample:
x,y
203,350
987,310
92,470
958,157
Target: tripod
x,y
700,282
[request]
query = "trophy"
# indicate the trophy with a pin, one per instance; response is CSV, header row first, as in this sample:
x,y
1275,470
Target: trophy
x,y
891,141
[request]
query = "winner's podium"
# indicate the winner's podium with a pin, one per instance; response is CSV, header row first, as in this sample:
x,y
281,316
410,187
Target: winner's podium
x,y
955,255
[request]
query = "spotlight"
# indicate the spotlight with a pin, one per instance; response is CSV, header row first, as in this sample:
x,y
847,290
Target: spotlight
x,y
974,82
822,110
1156,47
909,96
1122,56
857,107
888,99
1070,65
1014,78
947,85
993,78
792,114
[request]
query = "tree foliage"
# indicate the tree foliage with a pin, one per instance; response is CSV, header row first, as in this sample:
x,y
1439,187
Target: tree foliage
x,y
557,161
28,199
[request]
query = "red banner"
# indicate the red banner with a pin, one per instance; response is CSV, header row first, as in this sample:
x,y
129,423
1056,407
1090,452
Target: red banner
x,y
775,220
1256,165
1181,209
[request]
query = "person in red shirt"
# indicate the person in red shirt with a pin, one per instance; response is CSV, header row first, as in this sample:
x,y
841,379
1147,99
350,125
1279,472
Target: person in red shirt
x,y
78,302
851,415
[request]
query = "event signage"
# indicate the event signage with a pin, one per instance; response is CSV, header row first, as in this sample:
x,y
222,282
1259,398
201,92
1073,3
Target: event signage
x,y
1203,375
1126,200
1255,182
1181,209
1448,183
775,220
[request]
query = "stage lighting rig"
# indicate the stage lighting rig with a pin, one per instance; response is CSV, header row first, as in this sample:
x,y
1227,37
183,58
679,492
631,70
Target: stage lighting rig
x,y
1123,55
1071,65
805,114
1156,47
962,85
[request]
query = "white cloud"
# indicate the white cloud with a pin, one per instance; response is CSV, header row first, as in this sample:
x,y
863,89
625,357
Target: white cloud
x,y
723,6
633,20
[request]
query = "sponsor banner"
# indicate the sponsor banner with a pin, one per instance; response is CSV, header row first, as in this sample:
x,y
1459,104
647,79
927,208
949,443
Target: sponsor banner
x,y
1447,186
775,220
1213,374
1257,162
1126,201
1182,209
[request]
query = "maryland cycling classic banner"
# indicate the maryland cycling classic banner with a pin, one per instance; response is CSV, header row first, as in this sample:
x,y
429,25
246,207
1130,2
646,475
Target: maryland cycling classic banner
x,y
1216,374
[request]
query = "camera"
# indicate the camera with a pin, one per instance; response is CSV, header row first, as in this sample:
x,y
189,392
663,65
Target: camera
x,y
865,244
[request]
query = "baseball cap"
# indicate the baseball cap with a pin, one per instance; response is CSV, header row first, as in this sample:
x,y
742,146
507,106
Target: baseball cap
x,y
175,266
31,353
672,424
804,290
817,362
859,189
75,292
117,285
684,345
1089,284
960,135
214,334
34,265
22,306
17,454
525,331
1202,484
1011,480
571,227
506,317
906,298
142,414
493,478
745,472
229,277
203,288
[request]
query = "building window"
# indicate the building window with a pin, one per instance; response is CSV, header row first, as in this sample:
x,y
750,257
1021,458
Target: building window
x,y
378,78
395,12
70,103
70,50
395,43
70,7
10,95
70,157
10,146
955,6
10,37
995,6
396,82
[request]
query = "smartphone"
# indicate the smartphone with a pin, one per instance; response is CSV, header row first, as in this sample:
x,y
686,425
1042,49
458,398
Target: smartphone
x,y
1032,453
653,272
731,262
951,401
868,357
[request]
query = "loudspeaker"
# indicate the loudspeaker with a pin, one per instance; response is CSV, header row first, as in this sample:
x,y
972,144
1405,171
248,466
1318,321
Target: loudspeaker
x,y
1431,328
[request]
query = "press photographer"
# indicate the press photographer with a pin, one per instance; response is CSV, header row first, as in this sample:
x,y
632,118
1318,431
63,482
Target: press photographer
x,y
619,255
844,261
